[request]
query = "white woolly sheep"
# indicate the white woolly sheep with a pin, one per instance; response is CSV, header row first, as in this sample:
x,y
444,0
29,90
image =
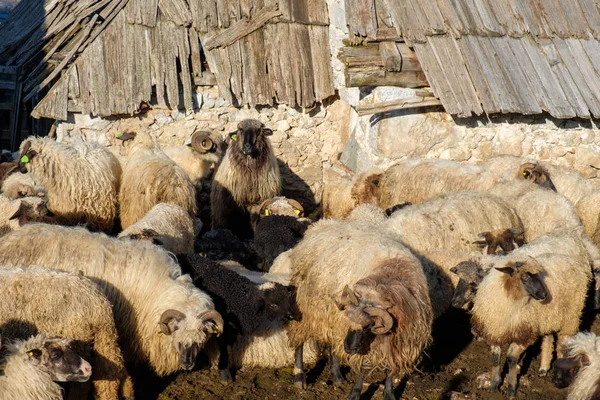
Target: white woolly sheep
x,y
524,297
384,316
198,154
150,178
73,307
15,213
82,179
247,176
579,369
342,195
30,367
452,222
161,317
166,225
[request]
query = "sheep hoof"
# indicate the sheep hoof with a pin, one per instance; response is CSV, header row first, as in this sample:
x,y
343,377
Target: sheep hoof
x,y
354,394
225,376
337,382
543,372
300,381
511,392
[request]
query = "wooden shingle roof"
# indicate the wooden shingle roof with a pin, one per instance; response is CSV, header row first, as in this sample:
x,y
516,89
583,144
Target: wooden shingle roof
x,y
508,56
106,57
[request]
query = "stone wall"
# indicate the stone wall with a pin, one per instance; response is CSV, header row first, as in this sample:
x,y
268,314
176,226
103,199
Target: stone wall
x,y
307,143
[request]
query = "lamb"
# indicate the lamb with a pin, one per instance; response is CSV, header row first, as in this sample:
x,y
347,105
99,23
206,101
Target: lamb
x,y
30,367
247,308
341,196
198,154
383,316
525,297
452,222
280,226
18,212
579,369
22,185
76,308
167,225
247,176
82,180
150,178
161,317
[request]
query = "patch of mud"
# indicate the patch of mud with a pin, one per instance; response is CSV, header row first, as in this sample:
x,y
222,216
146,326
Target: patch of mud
x,y
448,371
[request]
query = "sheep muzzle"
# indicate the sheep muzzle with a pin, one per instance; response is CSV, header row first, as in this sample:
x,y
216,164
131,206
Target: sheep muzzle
x,y
565,370
187,356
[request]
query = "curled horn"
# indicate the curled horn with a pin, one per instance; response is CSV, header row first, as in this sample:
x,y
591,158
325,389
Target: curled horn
x,y
388,322
202,142
296,206
166,317
213,315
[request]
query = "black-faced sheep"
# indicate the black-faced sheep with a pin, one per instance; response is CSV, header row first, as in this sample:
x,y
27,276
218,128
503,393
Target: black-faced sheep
x,y
198,154
73,307
579,369
29,368
150,178
383,316
161,317
247,176
280,227
523,298
247,308
82,180
166,225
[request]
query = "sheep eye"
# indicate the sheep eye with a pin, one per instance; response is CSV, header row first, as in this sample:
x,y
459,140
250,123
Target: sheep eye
x,y
55,354
273,306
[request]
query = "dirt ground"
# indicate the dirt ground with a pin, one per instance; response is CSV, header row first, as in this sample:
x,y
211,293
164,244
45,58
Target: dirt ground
x,y
448,371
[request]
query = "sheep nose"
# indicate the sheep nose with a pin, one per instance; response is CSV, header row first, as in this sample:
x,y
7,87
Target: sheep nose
x,y
86,368
247,148
289,316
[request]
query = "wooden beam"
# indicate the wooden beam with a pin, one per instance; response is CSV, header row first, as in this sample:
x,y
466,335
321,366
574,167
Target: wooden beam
x,y
242,28
402,104
390,56
373,76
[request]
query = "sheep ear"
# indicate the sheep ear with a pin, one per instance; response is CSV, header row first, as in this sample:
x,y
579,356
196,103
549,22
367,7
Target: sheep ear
x,y
506,270
349,297
261,304
266,131
18,212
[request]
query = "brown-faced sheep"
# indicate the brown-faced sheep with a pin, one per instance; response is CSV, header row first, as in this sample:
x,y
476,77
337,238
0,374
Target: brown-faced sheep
x,y
150,178
525,297
579,369
30,367
18,212
82,180
247,176
166,225
198,154
161,317
384,316
74,307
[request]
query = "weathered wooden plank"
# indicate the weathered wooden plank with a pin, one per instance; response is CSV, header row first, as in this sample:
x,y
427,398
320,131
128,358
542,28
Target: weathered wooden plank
x,y
256,83
280,63
361,17
204,15
582,62
488,18
83,76
321,62
419,25
591,13
98,83
437,80
574,17
149,12
74,91
569,86
469,17
504,13
393,105
301,39
371,76
115,65
54,104
430,17
234,54
207,79
555,17
133,95
158,64
222,70
317,12
532,15
390,56
176,11
241,28
169,45
468,47
183,49
544,86
451,18
195,52
519,85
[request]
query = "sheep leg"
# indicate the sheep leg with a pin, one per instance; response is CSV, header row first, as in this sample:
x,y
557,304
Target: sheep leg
x,y
299,377
388,389
496,376
334,367
546,357
357,387
559,345
224,372
514,355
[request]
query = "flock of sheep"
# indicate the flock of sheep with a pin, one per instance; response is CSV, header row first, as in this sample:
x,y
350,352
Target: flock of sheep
x,y
99,267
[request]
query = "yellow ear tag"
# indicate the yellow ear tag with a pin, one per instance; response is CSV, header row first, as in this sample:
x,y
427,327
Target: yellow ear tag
x,y
25,159
215,329
190,147
267,212
119,134
297,212
234,136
